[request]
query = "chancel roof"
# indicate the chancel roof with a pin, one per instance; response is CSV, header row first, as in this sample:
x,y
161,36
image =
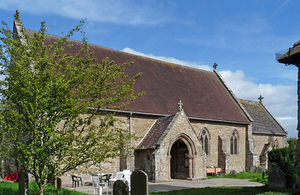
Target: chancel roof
x,y
263,121
203,93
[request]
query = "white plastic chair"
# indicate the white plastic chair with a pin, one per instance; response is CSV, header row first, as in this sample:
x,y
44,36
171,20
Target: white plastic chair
x,y
98,185
119,176
127,174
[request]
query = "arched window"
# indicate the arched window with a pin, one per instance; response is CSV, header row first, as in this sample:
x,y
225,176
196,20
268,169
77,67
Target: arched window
x,y
204,139
234,142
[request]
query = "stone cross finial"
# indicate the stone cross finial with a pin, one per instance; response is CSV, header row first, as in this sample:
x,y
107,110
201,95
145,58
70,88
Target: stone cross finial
x,y
215,66
180,105
260,98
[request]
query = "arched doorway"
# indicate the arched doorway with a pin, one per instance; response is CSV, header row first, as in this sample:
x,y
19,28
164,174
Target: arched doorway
x,y
179,160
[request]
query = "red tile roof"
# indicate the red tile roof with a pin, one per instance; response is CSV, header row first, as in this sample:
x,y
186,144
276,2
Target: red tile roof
x,y
202,92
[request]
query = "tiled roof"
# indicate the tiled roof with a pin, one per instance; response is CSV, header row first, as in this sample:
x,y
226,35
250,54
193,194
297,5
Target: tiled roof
x,y
264,122
203,93
156,131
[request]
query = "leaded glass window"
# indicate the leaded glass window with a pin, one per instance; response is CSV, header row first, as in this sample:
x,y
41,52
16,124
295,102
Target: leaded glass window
x,y
204,141
234,143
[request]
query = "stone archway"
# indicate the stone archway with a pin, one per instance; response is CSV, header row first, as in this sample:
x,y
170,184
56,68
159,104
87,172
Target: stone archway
x,y
179,160
182,158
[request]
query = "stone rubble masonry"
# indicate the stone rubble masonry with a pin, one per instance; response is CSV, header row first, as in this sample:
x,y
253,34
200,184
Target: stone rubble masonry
x,y
223,130
260,140
179,128
139,125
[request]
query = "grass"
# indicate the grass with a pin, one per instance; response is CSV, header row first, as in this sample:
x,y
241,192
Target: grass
x,y
256,177
12,188
7,188
230,191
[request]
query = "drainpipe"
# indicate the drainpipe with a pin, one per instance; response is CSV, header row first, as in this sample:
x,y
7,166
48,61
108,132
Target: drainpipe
x,y
130,128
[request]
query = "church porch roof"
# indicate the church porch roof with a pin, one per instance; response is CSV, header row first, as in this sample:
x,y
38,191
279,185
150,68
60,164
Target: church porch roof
x,y
154,134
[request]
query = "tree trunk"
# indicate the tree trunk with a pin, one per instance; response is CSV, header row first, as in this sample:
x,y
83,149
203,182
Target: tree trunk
x,y
42,188
23,183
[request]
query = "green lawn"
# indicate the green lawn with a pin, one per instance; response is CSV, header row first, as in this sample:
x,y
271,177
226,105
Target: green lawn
x,y
230,191
256,177
12,188
7,188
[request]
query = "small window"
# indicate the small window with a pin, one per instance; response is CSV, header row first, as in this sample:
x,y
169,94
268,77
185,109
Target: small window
x,y
275,144
234,142
204,139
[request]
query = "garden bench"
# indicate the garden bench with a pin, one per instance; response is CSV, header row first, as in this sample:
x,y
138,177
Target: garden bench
x,y
214,170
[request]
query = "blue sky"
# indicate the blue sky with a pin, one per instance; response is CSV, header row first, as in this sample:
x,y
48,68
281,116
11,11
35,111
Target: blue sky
x,y
242,36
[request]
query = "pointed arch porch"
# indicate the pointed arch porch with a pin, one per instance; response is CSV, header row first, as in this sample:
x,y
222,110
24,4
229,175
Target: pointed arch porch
x,y
182,147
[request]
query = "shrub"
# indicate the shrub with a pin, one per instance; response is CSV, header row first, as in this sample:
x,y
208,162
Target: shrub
x,y
285,159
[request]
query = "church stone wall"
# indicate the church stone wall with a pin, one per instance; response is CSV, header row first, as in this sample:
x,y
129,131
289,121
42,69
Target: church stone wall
x,y
140,126
236,162
259,142
144,160
137,125
110,165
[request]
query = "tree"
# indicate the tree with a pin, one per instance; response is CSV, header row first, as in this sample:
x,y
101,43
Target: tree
x,y
54,103
292,141
285,159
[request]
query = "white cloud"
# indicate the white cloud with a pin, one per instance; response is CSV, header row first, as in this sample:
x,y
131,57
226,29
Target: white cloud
x,y
115,11
244,88
238,82
280,100
168,59
290,124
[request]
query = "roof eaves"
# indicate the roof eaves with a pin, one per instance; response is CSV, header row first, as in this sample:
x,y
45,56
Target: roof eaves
x,y
268,134
165,115
220,121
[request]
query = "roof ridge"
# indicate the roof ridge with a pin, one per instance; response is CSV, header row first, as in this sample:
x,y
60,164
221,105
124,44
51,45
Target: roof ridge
x,y
124,52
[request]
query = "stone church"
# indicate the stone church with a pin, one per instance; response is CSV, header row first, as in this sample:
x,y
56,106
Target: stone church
x,y
188,120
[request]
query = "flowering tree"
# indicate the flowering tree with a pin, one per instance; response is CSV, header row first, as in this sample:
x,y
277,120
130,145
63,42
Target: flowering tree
x,y
53,113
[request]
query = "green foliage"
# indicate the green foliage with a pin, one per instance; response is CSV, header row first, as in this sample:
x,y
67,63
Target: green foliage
x,y
53,116
292,143
12,189
285,159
